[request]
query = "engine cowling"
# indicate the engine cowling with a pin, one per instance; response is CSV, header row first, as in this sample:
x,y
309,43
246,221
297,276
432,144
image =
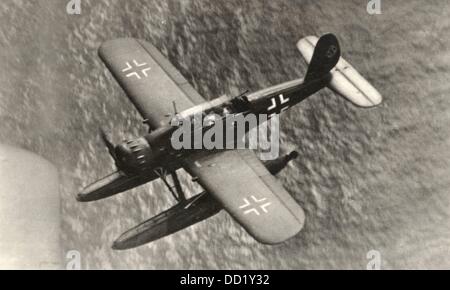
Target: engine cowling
x,y
134,155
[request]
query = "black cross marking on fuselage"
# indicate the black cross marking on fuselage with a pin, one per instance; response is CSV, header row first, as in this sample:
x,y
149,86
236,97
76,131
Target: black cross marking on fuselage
x,y
278,104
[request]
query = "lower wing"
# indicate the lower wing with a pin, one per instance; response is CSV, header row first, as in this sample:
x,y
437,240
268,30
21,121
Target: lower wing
x,y
249,193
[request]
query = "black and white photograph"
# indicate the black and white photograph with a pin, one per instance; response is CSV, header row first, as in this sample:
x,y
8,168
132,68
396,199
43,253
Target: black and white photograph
x,y
224,135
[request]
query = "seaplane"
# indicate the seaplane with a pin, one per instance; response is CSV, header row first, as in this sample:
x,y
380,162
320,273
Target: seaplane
x,y
234,180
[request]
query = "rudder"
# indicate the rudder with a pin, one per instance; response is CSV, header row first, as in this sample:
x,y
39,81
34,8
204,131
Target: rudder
x,y
325,56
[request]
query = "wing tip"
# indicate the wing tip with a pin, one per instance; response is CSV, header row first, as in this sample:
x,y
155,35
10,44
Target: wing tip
x,y
282,234
112,43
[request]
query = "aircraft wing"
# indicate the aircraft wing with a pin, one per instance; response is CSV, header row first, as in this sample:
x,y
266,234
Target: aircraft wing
x,y
150,81
253,197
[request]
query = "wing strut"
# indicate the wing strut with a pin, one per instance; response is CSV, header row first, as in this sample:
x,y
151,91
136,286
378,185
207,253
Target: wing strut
x,y
178,187
178,193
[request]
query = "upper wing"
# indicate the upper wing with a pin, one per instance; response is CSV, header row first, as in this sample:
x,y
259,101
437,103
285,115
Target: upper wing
x,y
253,197
148,78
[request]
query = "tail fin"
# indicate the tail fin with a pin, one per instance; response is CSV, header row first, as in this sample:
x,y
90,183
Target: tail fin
x,y
325,57
323,54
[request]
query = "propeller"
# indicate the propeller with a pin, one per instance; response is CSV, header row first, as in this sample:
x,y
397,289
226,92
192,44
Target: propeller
x,y
108,144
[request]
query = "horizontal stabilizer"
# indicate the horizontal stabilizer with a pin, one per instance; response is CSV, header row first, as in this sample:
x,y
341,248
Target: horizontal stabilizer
x,y
345,79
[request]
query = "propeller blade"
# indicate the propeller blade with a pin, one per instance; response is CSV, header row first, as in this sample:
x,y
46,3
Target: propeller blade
x,y
108,144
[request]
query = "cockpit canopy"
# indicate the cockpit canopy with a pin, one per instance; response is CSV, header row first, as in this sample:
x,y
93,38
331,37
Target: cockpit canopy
x,y
220,106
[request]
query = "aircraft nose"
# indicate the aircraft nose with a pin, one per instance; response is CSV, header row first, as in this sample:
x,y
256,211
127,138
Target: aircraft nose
x,y
122,153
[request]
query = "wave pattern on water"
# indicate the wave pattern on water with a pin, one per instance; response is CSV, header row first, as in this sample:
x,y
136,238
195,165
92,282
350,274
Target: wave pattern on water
x,y
368,179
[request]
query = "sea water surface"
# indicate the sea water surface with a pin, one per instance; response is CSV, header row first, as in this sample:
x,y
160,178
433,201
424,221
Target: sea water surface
x,y
375,179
